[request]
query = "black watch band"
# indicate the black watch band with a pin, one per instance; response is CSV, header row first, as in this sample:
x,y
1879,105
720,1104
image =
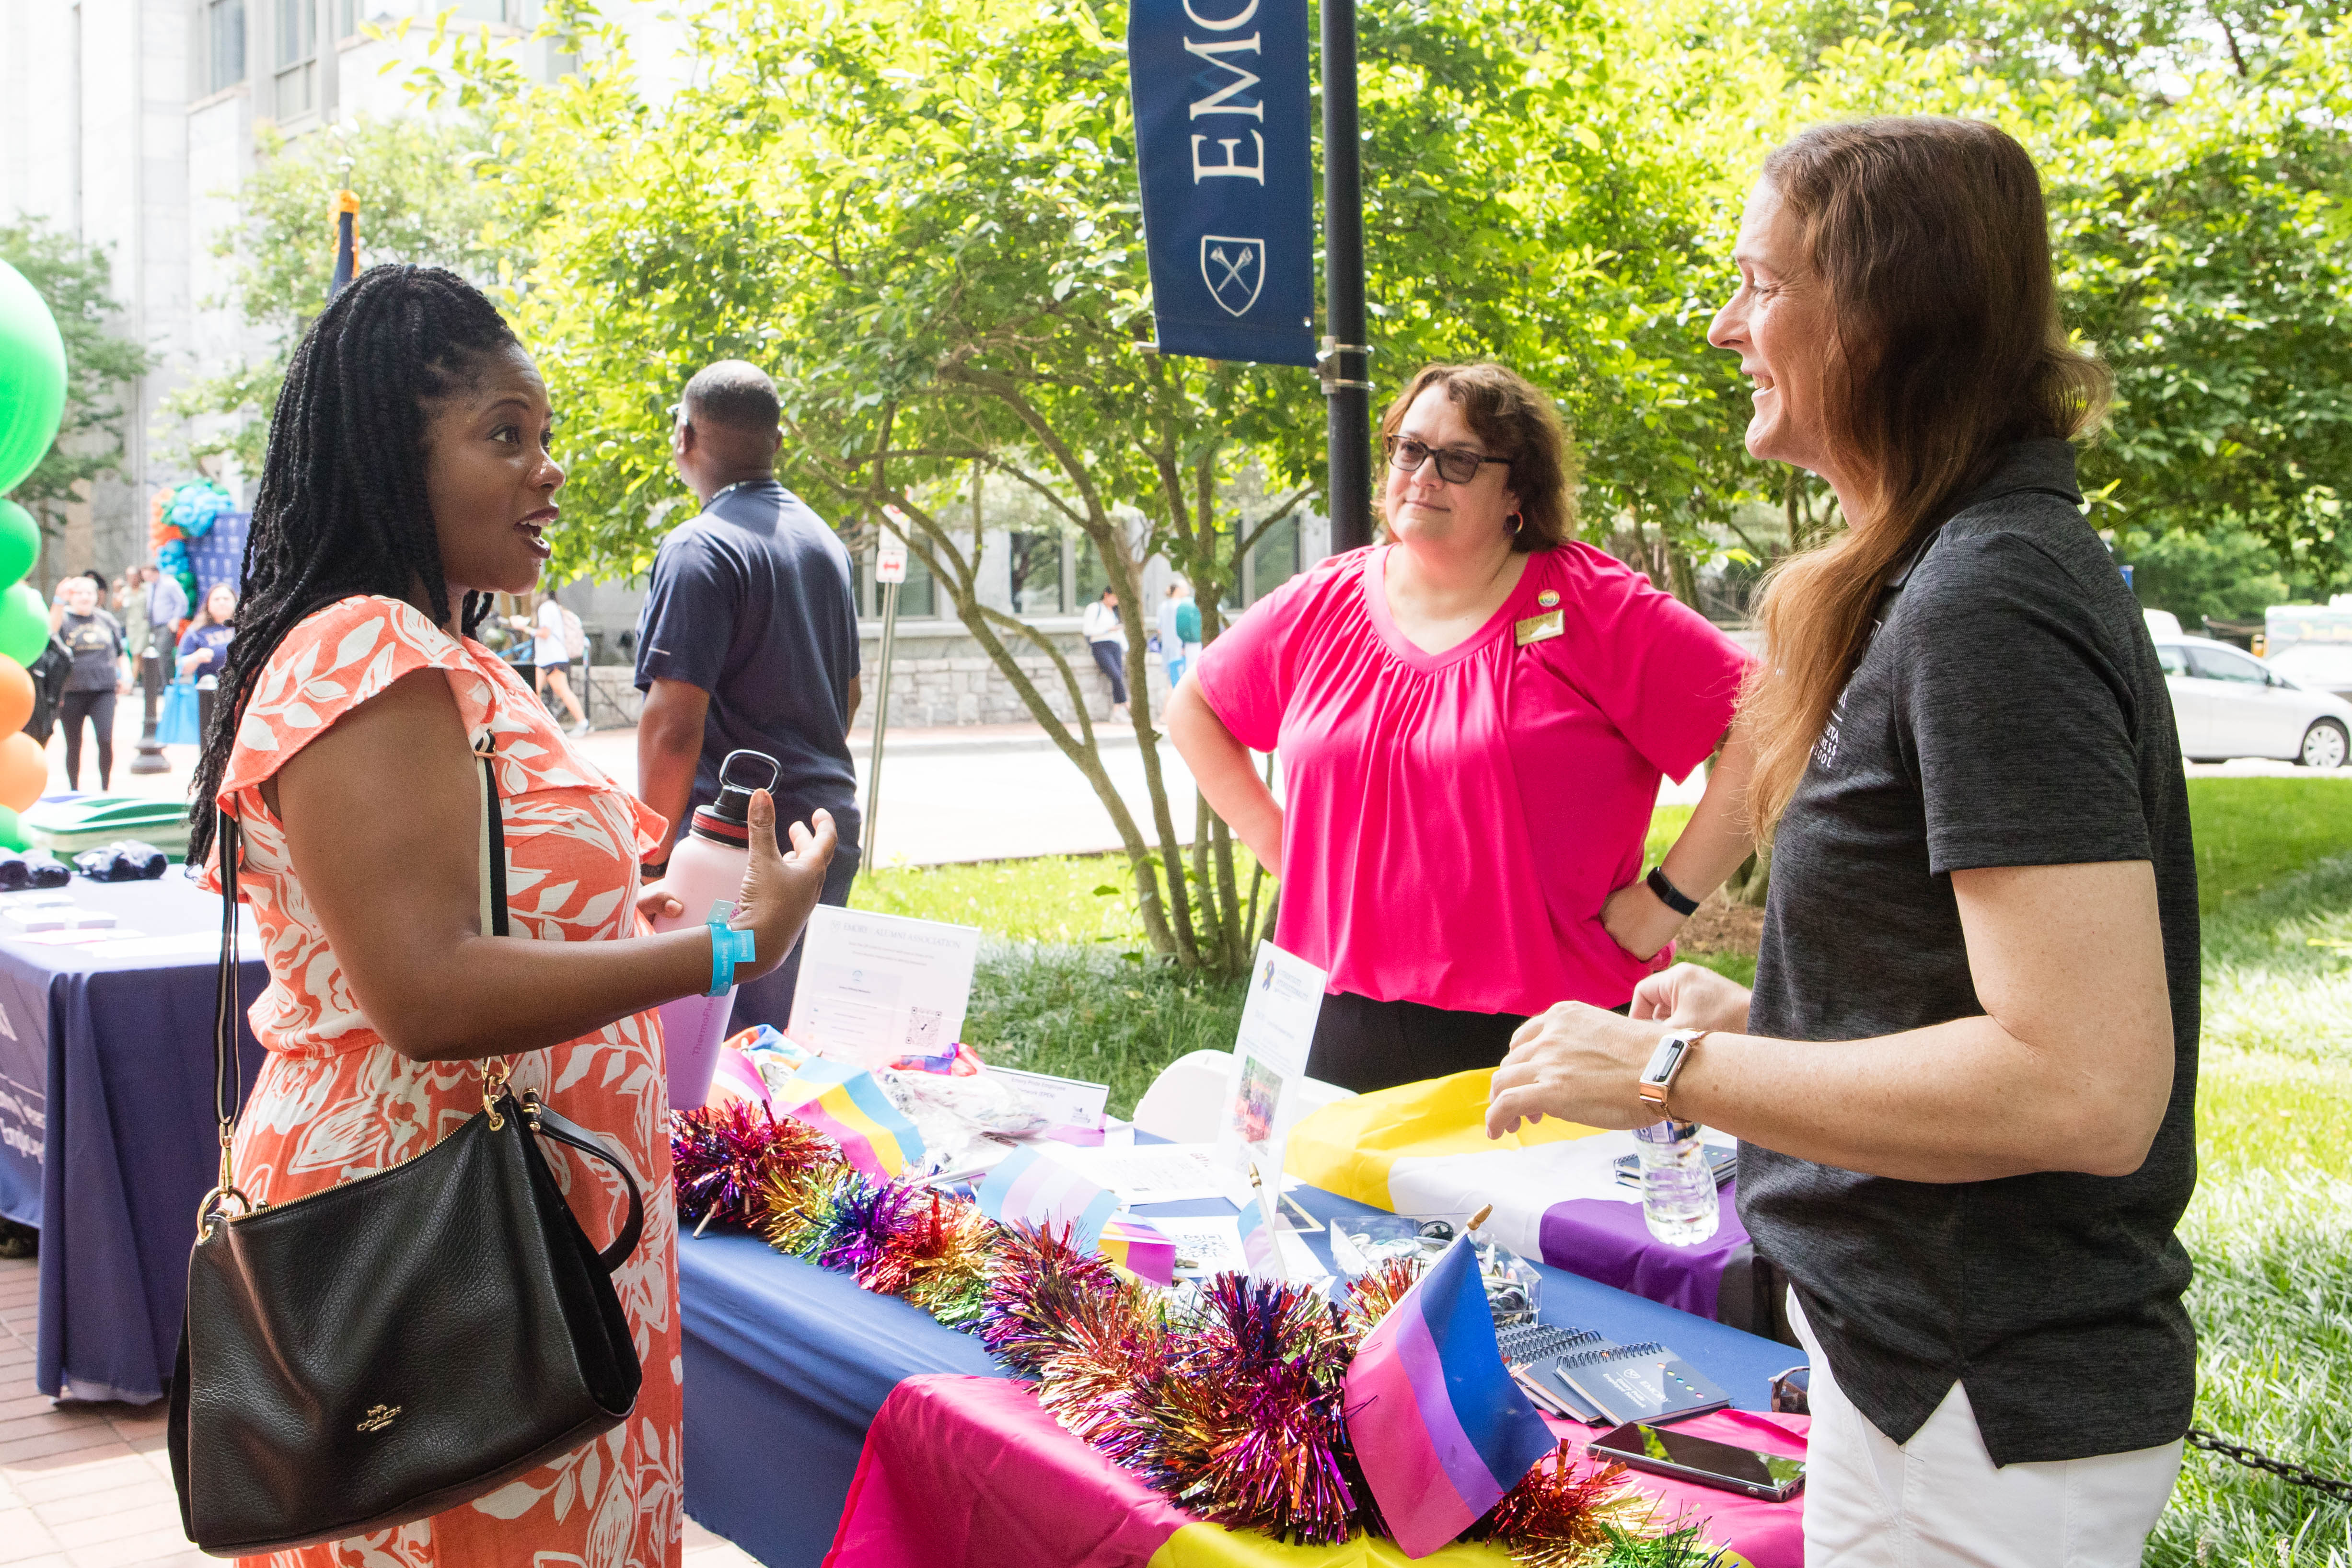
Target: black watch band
x,y
1670,894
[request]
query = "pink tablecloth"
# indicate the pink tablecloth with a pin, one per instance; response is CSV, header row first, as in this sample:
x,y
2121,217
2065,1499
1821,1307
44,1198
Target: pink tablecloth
x,y
969,1472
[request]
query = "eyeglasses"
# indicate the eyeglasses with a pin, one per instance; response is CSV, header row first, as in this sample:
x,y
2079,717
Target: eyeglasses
x,y
1455,466
1793,1391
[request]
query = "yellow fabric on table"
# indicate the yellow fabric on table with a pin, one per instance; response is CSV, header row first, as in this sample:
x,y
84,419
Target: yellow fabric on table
x,y
1214,1546
1348,1147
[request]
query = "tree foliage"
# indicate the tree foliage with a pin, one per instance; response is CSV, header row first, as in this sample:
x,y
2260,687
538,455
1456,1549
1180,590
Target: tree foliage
x,y
419,202
76,281
921,217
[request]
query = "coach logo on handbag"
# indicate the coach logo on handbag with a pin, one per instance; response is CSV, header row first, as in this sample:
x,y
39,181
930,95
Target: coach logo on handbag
x,y
378,1417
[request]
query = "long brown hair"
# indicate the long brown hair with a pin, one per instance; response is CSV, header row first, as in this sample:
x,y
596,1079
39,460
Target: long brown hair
x,y
1517,420
1930,240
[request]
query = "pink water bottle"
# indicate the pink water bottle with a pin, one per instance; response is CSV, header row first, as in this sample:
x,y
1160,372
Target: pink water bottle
x,y
706,867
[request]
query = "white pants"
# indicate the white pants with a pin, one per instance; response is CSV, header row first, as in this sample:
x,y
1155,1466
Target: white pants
x,y
1871,1502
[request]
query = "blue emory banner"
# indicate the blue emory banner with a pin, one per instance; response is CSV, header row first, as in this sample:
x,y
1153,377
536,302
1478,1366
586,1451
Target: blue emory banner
x,y
1221,136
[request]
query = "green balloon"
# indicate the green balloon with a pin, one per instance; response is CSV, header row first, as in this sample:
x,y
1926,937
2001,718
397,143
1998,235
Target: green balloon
x,y
20,541
12,832
24,623
32,377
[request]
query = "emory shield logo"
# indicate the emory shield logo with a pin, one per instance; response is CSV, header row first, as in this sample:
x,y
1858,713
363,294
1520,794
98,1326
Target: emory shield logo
x,y
1233,270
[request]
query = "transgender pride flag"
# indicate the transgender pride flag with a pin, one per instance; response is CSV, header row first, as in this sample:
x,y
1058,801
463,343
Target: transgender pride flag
x,y
1439,1427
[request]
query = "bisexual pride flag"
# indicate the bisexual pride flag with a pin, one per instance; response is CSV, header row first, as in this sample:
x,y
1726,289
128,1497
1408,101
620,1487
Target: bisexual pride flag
x,y
1440,1428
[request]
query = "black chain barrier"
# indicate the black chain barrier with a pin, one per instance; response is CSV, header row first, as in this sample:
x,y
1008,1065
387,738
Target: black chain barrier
x,y
2295,1474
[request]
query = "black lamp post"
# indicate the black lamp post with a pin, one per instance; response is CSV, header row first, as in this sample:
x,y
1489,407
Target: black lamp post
x,y
1346,383
150,758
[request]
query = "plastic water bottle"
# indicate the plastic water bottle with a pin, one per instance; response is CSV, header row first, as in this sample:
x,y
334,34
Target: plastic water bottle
x,y
1678,1185
707,867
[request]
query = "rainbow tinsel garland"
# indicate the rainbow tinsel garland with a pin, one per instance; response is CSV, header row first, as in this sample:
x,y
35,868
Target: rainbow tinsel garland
x,y
1230,1405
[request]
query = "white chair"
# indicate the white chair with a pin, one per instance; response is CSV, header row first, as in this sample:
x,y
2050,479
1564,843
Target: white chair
x,y
1183,1102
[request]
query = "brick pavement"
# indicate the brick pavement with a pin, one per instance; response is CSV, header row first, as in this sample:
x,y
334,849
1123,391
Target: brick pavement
x,y
89,1486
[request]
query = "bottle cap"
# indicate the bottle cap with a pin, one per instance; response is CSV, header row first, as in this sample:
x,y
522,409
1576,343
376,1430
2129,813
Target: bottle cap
x,y
727,818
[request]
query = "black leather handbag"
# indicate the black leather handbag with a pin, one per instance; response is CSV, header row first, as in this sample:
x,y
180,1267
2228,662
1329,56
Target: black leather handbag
x,y
406,1341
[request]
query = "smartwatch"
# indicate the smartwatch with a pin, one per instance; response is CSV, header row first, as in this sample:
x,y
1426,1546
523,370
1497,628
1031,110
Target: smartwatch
x,y
1657,1080
1674,898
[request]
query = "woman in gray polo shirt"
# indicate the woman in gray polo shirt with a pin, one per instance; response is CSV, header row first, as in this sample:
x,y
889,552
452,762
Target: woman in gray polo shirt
x,y
1963,1085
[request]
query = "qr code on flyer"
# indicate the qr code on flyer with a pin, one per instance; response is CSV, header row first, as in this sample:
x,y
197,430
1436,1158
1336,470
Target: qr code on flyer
x,y
923,1031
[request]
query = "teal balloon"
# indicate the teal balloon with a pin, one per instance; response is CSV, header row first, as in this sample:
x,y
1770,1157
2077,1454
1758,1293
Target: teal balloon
x,y
20,541
32,377
23,625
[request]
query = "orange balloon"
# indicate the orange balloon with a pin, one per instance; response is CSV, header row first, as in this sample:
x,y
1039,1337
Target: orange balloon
x,y
16,696
24,771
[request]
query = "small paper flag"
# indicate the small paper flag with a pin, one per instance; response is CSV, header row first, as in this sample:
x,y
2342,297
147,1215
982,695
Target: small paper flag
x,y
1027,1188
1139,1249
847,1103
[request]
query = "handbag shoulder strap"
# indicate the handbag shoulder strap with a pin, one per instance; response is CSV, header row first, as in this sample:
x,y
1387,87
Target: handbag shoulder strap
x,y
228,1070
492,878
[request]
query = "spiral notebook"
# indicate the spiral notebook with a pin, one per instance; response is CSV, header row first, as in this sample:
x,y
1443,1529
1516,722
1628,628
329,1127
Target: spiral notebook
x,y
1646,1381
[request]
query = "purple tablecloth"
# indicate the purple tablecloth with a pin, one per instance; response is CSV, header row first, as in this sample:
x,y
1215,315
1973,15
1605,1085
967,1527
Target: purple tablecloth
x,y
106,1127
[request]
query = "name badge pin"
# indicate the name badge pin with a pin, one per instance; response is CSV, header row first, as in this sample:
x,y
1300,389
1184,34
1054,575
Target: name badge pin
x,y
1538,628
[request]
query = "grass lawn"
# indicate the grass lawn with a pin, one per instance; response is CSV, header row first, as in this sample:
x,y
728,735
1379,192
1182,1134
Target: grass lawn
x,y
1063,988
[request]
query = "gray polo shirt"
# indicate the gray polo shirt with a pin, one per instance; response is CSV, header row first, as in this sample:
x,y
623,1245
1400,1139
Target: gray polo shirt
x,y
2009,711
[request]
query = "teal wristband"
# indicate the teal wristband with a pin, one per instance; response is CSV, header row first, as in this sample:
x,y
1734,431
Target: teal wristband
x,y
728,947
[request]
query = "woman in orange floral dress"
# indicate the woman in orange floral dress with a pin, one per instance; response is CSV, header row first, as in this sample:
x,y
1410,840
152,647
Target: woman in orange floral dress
x,y
408,477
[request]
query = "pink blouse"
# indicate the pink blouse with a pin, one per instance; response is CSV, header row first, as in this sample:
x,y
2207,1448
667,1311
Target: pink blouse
x,y
1454,821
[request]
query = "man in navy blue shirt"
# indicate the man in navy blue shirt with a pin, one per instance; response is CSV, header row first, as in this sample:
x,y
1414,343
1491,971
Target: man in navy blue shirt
x,y
748,641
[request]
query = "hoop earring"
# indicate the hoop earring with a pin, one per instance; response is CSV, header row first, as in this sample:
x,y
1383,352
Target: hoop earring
x,y
1518,523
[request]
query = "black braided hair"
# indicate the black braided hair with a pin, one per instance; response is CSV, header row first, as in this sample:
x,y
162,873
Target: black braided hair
x,y
342,508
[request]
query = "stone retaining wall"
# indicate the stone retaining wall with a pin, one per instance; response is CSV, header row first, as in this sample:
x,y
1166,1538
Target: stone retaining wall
x,y
938,676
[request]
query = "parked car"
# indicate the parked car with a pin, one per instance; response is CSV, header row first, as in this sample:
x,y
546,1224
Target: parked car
x,y
2317,667
2231,704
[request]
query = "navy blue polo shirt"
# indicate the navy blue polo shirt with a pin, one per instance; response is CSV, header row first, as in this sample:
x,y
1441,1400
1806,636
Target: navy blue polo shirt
x,y
754,602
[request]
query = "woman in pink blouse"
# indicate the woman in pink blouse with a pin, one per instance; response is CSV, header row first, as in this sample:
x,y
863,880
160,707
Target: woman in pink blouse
x,y
1473,722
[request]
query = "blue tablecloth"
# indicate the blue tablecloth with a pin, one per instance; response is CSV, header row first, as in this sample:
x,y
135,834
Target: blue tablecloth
x,y
786,1365
106,1126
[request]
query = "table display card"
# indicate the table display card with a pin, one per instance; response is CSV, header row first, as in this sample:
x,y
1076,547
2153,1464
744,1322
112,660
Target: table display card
x,y
1261,1100
874,988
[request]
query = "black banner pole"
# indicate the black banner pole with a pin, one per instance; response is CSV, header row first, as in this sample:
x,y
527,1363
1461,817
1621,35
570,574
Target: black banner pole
x,y
1346,383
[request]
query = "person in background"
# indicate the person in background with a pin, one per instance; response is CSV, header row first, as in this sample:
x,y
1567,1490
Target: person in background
x,y
125,602
203,647
164,604
1172,642
1188,629
100,671
748,641
1107,640
551,655
1473,722
1965,1082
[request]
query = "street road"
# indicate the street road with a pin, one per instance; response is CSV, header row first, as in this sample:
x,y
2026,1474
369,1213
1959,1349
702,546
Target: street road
x,y
981,792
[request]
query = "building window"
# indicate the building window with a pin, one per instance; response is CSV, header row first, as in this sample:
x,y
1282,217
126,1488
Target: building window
x,y
507,13
1088,578
917,595
1037,573
347,19
296,57
225,38
1274,559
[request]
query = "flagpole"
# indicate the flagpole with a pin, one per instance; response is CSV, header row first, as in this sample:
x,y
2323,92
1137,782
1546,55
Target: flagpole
x,y
1346,386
